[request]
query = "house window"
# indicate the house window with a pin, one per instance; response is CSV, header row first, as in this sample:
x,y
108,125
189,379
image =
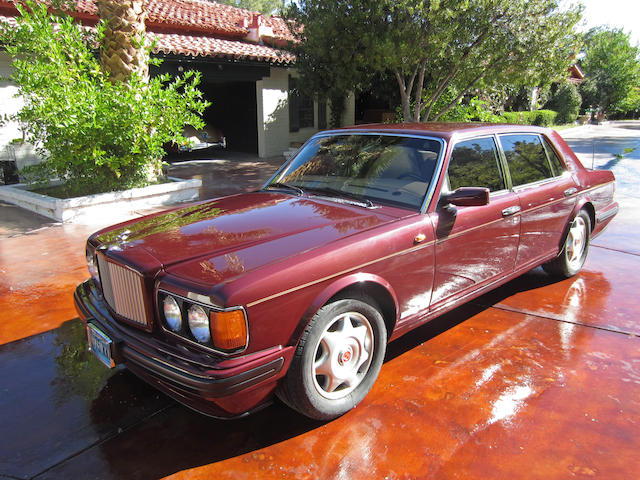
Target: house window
x,y
300,107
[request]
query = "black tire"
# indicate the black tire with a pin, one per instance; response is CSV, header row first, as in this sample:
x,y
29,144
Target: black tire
x,y
337,359
575,248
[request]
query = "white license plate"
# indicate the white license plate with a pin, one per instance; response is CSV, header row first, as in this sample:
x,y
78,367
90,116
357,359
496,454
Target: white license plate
x,y
100,345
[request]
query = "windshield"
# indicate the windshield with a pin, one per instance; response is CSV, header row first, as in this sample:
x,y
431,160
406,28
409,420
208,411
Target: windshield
x,y
386,169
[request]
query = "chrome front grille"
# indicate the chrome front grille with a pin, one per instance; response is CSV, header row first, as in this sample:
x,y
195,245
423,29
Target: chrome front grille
x,y
123,289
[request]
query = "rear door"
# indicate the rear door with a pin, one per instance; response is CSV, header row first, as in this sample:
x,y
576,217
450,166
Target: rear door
x,y
474,245
546,191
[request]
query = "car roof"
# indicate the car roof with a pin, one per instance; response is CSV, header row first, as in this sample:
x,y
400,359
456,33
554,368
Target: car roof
x,y
445,130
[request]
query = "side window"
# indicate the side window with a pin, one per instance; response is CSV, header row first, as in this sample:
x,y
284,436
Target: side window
x,y
474,163
526,158
556,165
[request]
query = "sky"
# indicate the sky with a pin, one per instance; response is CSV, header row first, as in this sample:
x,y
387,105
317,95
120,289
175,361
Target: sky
x,y
623,14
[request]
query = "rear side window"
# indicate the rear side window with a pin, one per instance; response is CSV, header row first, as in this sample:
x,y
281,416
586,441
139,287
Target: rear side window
x,y
526,158
474,163
556,164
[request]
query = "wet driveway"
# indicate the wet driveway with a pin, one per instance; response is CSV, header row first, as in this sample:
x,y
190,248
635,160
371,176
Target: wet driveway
x,y
537,379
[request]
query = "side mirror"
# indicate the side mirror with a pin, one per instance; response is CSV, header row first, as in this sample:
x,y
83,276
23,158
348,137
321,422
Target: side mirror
x,y
468,197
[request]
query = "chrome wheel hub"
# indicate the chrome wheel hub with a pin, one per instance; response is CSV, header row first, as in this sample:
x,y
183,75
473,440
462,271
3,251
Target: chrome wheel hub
x,y
576,243
342,355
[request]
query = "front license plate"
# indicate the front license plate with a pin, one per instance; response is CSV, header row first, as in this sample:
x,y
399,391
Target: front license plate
x,y
100,345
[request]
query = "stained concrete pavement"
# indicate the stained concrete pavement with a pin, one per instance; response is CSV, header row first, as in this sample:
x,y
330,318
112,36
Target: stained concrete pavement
x,y
537,379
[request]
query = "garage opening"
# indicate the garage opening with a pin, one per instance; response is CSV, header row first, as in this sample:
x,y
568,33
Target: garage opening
x,y
234,111
231,89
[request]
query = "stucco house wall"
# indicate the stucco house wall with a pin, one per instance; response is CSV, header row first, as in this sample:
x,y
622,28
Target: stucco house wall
x,y
272,94
10,148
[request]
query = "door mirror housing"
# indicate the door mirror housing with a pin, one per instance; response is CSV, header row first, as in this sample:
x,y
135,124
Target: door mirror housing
x,y
468,197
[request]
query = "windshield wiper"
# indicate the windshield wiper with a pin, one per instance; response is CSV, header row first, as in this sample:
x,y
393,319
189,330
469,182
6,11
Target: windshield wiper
x,y
335,193
285,186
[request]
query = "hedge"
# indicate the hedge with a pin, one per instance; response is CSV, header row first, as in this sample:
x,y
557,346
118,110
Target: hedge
x,y
543,118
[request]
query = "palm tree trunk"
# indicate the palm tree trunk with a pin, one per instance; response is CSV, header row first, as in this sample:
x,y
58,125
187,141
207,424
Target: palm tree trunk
x,y
123,52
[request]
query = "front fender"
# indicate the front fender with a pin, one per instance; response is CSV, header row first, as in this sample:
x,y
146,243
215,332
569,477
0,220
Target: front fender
x,y
339,285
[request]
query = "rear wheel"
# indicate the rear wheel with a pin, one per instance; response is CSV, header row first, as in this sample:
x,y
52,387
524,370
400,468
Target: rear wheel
x,y
337,360
575,249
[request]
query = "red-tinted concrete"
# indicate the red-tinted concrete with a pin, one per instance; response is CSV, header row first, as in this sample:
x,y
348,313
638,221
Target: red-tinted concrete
x,y
538,379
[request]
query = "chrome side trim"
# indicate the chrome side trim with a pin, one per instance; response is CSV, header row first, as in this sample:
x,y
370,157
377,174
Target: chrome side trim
x,y
329,277
457,234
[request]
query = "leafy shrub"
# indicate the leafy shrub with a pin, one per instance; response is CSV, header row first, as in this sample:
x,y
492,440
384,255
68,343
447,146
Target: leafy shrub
x,y
94,134
514,117
543,118
566,101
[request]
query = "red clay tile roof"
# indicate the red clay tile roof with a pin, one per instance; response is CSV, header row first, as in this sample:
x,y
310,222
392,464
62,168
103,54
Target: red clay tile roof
x,y
194,28
199,15
181,44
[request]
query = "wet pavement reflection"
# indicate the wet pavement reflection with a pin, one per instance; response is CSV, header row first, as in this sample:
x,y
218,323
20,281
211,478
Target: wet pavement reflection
x,y
537,379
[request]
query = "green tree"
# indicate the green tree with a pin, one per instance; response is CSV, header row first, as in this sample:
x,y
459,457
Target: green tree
x,y
94,133
431,46
266,7
566,100
612,71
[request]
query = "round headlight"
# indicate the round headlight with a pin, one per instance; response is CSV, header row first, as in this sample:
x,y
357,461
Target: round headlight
x,y
199,324
172,313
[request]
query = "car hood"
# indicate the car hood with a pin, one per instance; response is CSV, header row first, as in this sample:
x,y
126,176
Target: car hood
x,y
213,241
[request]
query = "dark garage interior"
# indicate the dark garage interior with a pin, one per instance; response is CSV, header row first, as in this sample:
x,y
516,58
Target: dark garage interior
x,y
231,89
233,110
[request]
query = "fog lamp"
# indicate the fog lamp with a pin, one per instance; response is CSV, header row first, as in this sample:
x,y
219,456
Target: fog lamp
x,y
199,324
172,313
229,329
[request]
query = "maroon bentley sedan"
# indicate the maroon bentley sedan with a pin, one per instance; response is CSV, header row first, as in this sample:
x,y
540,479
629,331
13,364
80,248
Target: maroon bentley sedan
x,y
296,289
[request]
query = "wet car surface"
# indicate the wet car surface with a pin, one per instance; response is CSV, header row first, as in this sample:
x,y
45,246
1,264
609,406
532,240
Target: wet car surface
x,y
294,290
538,379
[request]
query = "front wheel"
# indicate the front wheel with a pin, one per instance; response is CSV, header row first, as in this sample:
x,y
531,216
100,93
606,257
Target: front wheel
x,y
575,249
337,360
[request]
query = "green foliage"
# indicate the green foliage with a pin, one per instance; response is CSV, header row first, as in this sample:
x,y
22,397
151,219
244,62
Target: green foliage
x,y
94,134
266,7
612,72
430,46
542,118
566,100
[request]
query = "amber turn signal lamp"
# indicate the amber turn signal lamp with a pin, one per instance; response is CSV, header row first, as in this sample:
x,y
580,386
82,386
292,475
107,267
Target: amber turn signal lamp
x,y
228,329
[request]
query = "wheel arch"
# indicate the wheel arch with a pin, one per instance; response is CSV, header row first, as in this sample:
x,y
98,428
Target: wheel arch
x,y
588,207
356,286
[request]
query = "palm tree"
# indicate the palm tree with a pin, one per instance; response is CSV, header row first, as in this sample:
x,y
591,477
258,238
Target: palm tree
x,y
123,51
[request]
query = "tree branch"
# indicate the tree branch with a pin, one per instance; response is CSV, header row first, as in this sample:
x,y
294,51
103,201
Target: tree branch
x,y
467,88
447,80
406,107
419,87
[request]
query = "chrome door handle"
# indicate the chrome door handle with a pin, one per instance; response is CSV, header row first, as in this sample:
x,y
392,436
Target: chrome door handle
x,y
570,191
510,211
